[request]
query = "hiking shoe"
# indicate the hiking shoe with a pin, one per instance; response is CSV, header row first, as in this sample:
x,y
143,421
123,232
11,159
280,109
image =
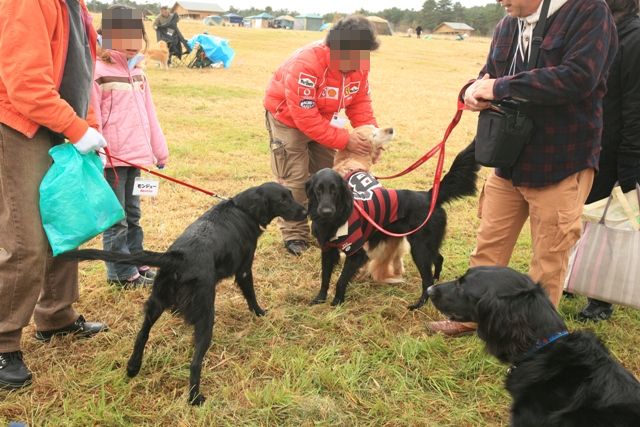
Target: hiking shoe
x,y
80,328
296,247
139,281
147,272
13,372
596,311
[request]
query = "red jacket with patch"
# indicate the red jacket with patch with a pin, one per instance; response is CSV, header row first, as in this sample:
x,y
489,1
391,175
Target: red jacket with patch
x,y
304,93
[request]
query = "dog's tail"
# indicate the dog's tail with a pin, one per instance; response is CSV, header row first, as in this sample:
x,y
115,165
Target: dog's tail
x,y
155,259
461,179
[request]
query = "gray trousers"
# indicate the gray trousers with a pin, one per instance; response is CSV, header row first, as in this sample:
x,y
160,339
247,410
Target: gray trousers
x,y
125,236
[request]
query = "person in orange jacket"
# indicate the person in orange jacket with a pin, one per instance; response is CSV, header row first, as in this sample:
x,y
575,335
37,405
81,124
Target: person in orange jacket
x,y
303,103
47,56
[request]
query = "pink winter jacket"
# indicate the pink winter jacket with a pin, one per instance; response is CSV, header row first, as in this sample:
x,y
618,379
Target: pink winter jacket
x,y
126,115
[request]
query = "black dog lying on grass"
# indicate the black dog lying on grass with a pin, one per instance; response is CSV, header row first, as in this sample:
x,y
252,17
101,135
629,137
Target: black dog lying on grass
x,y
331,203
219,244
556,378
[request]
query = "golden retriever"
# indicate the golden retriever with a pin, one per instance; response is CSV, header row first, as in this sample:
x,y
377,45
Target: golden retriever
x,y
159,53
385,260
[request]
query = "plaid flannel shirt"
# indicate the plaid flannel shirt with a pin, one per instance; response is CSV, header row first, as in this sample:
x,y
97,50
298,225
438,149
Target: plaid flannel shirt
x,y
564,92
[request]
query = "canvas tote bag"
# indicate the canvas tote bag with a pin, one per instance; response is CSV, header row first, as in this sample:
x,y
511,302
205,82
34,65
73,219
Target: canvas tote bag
x,y
605,264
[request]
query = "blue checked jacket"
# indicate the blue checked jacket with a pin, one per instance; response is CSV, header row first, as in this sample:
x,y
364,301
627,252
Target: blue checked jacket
x,y
564,93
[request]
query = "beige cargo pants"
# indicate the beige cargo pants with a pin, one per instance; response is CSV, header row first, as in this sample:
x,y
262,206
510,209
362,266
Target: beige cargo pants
x,y
554,212
294,158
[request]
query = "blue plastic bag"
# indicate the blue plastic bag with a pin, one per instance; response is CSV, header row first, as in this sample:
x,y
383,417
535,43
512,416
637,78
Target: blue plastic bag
x,y
76,202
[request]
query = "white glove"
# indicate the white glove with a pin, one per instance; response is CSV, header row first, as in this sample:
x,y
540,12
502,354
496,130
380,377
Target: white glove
x,y
90,141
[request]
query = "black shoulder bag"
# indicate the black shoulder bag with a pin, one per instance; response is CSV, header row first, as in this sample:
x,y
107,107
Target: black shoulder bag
x,y
504,129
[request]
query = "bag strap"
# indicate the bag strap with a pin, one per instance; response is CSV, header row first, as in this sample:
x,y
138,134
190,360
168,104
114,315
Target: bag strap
x,y
538,36
622,199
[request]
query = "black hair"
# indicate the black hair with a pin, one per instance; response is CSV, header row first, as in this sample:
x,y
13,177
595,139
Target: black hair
x,y
353,32
119,16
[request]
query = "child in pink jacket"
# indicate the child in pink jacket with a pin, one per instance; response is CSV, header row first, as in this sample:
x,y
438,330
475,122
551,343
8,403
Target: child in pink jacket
x,y
122,101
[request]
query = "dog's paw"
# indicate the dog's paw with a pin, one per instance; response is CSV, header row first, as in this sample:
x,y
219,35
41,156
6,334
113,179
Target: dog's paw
x,y
259,311
417,305
320,299
337,301
197,400
132,369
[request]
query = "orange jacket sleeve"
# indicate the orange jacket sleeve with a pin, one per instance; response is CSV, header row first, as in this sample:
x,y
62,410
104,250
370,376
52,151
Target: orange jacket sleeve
x,y
27,67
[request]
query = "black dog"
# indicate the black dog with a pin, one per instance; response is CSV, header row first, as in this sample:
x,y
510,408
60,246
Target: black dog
x,y
219,244
331,204
556,378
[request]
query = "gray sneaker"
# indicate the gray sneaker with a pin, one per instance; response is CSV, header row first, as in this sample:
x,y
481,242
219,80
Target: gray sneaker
x,y
296,247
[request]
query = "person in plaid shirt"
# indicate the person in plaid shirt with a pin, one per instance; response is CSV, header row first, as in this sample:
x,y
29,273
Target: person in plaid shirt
x,y
553,175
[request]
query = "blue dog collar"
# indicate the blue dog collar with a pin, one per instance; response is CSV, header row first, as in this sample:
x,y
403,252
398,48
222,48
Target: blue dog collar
x,y
542,342
546,341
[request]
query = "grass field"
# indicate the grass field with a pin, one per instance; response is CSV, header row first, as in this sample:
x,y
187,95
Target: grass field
x,y
368,362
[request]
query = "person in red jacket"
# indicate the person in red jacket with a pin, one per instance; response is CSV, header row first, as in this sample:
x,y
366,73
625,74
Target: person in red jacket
x,y
304,103
47,55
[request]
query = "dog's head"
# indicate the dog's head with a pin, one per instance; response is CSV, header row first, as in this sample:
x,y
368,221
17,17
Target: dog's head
x,y
270,200
512,312
329,196
347,162
379,138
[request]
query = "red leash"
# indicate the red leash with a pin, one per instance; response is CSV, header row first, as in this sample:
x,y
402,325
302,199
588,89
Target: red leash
x,y
436,179
177,181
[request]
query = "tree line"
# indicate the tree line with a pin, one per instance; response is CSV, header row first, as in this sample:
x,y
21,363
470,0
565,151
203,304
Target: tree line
x,y
482,18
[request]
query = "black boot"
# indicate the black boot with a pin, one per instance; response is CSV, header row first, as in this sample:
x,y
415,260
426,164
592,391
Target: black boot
x,y
13,372
596,310
80,328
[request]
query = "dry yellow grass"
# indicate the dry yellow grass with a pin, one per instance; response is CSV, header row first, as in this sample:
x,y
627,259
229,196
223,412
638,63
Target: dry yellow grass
x,y
368,362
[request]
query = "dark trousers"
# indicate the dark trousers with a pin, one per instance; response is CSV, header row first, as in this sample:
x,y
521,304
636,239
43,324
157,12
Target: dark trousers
x,y
126,236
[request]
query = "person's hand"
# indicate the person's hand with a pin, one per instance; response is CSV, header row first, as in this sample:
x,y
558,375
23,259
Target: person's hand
x,y
90,141
358,144
479,93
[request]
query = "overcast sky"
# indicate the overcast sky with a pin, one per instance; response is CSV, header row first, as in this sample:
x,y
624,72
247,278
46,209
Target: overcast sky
x,y
326,6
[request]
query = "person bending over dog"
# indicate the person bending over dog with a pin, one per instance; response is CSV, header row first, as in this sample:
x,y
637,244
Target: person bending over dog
x,y
552,176
303,103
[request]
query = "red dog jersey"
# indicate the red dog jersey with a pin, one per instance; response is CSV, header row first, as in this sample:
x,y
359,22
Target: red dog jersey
x,y
379,203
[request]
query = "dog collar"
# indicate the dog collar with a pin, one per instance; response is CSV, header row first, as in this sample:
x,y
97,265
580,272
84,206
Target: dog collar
x,y
546,341
540,343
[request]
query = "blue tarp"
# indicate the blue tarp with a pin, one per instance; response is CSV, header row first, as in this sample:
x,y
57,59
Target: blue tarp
x,y
217,49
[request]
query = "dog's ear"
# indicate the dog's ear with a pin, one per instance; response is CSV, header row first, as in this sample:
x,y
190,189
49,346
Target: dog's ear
x,y
311,195
344,202
263,209
507,322
256,202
